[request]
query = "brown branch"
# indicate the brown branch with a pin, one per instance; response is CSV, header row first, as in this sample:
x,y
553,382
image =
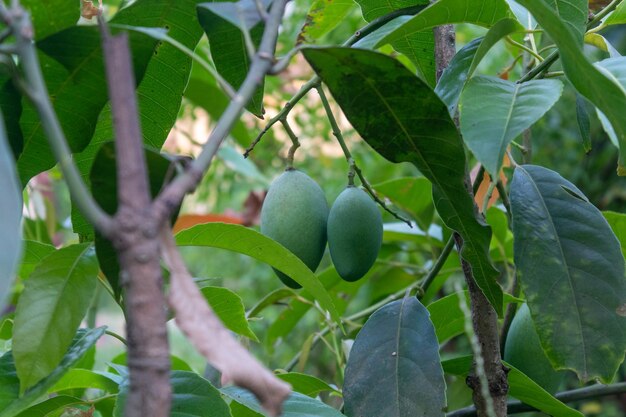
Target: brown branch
x,y
207,333
136,244
484,317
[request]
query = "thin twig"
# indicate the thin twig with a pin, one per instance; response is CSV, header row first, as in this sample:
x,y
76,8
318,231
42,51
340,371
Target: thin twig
x,y
441,260
295,143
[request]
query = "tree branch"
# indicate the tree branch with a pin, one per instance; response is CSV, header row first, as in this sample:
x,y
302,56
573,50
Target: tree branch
x,y
207,333
19,22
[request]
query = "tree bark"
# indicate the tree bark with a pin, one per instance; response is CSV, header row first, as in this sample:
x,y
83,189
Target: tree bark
x,y
484,317
136,242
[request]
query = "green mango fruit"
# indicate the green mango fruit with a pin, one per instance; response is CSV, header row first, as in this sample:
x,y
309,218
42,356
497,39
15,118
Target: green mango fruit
x,y
355,233
523,350
294,214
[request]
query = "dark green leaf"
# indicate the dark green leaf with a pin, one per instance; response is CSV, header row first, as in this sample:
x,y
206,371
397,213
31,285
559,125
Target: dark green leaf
x,y
193,396
323,16
104,179
403,119
229,52
240,239
483,13
229,308
158,100
306,384
47,407
605,92
51,16
520,387
571,270
74,73
617,221
11,217
296,405
34,252
11,108
395,357
412,195
83,341
489,126
584,125
54,302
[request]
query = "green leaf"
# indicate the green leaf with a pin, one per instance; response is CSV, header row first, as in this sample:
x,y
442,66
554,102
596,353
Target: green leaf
x,y
403,119
617,221
574,14
54,302
296,405
85,378
193,396
51,16
323,16
571,270
419,47
229,52
306,384
584,124
601,43
229,307
479,12
520,386
593,83
10,406
269,300
447,317
74,75
158,101
395,357
240,239
616,70
618,17
49,406
412,195
11,108
104,179
489,126
10,220
34,252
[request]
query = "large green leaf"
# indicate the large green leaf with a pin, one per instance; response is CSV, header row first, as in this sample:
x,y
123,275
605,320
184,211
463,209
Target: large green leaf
x,y
51,16
54,302
85,378
34,252
419,47
479,12
520,386
228,49
229,308
104,179
73,69
403,119
296,405
47,408
593,83
618,16
193,396
159,93
323,16
396,357
571,269
489,126
10,220
617,221
412,195
249,242
10,404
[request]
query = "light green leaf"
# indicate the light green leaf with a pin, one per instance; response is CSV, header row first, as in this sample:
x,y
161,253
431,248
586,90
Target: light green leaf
x,y
323,16
395,357
489,126
412,195
617,221
10,404
614,68
228,306
11,217
571,270
52,16
403,119
48,407
479,12
602,43
85,378
618,16
34,252
269,300
240,239
54,302
593,83
520,386
306,384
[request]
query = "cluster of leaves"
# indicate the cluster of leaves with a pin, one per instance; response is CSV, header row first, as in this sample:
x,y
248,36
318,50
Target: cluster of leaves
x,y
567,255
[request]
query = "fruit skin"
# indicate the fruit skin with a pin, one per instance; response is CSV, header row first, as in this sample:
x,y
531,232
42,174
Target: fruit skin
x,y
523,350
355,233
294,214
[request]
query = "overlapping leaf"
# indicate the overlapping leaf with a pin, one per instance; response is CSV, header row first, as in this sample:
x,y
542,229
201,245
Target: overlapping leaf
x,y
323,16
571,269
403,119
396,357
229,308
